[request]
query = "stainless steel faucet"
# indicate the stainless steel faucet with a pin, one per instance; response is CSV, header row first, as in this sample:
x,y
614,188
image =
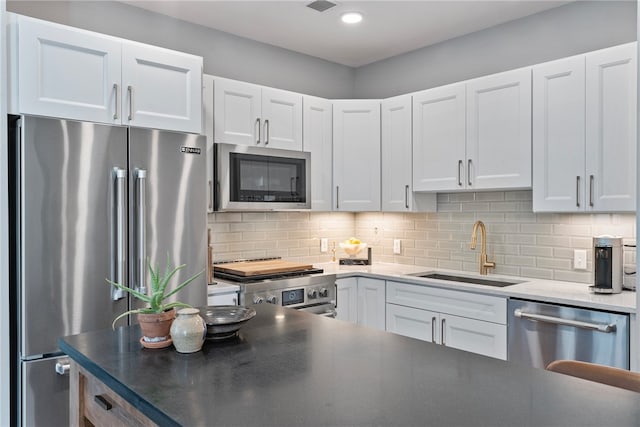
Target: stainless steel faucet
x,y
484,262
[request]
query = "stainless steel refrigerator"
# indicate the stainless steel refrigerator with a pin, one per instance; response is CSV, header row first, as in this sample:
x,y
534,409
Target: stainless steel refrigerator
x,y
91,202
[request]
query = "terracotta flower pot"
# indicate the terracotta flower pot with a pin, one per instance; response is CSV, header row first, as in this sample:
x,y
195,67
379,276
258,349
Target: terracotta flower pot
x,y
155,328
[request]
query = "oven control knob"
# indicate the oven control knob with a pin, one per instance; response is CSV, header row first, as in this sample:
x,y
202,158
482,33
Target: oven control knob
x,y
258,300
312,294
272,299
323,293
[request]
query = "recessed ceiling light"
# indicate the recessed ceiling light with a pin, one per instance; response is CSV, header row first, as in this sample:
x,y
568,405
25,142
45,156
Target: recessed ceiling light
x,y
351,17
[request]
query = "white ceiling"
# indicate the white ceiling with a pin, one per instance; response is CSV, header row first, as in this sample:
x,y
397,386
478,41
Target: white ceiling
x,y
389,28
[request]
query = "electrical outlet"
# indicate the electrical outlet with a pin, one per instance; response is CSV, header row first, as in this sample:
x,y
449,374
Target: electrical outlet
x,y
396,246
580,259
324,244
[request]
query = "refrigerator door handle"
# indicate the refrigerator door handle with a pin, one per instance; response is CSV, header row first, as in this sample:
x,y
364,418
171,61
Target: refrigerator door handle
x,y
141,208
119,247
141,179
63,366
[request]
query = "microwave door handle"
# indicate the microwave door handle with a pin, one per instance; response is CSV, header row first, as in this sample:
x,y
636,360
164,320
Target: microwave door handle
x,y
291,185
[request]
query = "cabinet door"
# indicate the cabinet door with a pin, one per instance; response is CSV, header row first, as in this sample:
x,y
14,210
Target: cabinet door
x,y
475,336
207,130
559,135
499,131
281,119
396,154
162,88
237,112
371,303
611,128
317,139
67,72
413,322
356,155
347,299
439,159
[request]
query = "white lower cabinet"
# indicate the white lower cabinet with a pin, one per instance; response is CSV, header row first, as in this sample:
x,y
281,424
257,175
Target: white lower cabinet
x,y
451,318
361,300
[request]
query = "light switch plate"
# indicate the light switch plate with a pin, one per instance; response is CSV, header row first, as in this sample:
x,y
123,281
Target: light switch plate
x,y
324,244
580,259
396,246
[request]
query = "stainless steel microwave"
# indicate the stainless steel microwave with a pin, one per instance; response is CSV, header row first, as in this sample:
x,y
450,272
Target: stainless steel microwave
x,y
257,178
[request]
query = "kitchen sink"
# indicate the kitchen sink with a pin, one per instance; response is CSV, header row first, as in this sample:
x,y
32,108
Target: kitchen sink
x,y
464,279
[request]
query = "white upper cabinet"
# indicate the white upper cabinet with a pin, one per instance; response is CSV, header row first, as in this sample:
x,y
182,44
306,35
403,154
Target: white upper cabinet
x,y
474,135
439,138
318,140
499,131
558,135
162,88
249,114
68,73
584,132
282,119
76,74
396,154
611,113
356,155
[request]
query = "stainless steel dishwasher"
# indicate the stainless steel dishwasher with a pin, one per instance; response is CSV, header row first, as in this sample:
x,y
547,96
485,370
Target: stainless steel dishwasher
x,y
539,333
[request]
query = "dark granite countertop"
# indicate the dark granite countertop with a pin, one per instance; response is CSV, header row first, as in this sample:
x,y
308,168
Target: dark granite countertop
x,y
289,368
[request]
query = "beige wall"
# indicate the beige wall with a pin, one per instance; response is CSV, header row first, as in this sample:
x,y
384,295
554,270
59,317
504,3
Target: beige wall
x,y
521,242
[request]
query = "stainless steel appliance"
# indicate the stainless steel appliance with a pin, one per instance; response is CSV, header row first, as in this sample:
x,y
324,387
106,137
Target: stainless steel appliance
x,y
260,178
539,333
307,290
91,202
607,261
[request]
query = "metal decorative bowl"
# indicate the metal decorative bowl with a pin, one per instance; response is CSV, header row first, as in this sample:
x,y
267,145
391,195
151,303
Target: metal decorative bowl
x,y
224,321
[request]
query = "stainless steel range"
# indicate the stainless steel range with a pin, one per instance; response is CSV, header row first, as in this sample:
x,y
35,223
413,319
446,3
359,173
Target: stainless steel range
x,y
308,290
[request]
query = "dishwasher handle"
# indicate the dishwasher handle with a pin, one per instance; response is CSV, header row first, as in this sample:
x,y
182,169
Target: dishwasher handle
x,y
606,328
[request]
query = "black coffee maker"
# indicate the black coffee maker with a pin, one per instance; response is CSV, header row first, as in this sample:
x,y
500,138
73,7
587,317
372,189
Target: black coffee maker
x,y
607,265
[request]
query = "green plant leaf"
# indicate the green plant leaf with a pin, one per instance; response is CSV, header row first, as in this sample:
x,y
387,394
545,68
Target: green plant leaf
x,y
113,324
168,276
185,283
135,293
154,276
176,304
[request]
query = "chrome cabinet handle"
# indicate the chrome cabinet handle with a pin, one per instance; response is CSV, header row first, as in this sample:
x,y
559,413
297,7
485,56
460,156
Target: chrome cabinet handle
x,y
141,208
63,366
337,197
433,329
459,173
130,94
443,328
406,196
469,172
115,89
259,131
119,256
578,191
266,132
600,327
591,190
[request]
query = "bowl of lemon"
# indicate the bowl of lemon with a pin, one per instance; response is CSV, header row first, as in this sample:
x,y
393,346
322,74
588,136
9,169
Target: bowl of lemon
x,y
352,246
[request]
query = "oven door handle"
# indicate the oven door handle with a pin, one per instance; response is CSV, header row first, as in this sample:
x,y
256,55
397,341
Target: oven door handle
x,y
331,313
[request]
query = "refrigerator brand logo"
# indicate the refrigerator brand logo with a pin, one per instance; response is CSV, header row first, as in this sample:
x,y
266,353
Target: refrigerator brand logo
x,y
190,150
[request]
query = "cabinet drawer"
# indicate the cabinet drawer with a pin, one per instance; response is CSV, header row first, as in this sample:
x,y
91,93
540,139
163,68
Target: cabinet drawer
x,y
465,304
103,407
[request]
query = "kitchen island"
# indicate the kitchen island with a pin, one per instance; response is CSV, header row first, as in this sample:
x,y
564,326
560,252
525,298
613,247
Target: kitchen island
x,y
292,368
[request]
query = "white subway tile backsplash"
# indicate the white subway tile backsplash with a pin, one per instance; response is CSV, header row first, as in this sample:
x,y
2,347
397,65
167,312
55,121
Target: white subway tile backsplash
x,y
523,243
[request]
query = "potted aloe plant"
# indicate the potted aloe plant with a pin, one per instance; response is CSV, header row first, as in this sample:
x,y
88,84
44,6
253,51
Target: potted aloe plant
x,y
155,320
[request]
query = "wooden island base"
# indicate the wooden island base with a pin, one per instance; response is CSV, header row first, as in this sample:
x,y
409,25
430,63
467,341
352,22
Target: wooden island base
x,y
94,404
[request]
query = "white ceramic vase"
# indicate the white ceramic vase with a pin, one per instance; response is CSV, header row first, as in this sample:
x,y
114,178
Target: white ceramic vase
x,y
188,331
